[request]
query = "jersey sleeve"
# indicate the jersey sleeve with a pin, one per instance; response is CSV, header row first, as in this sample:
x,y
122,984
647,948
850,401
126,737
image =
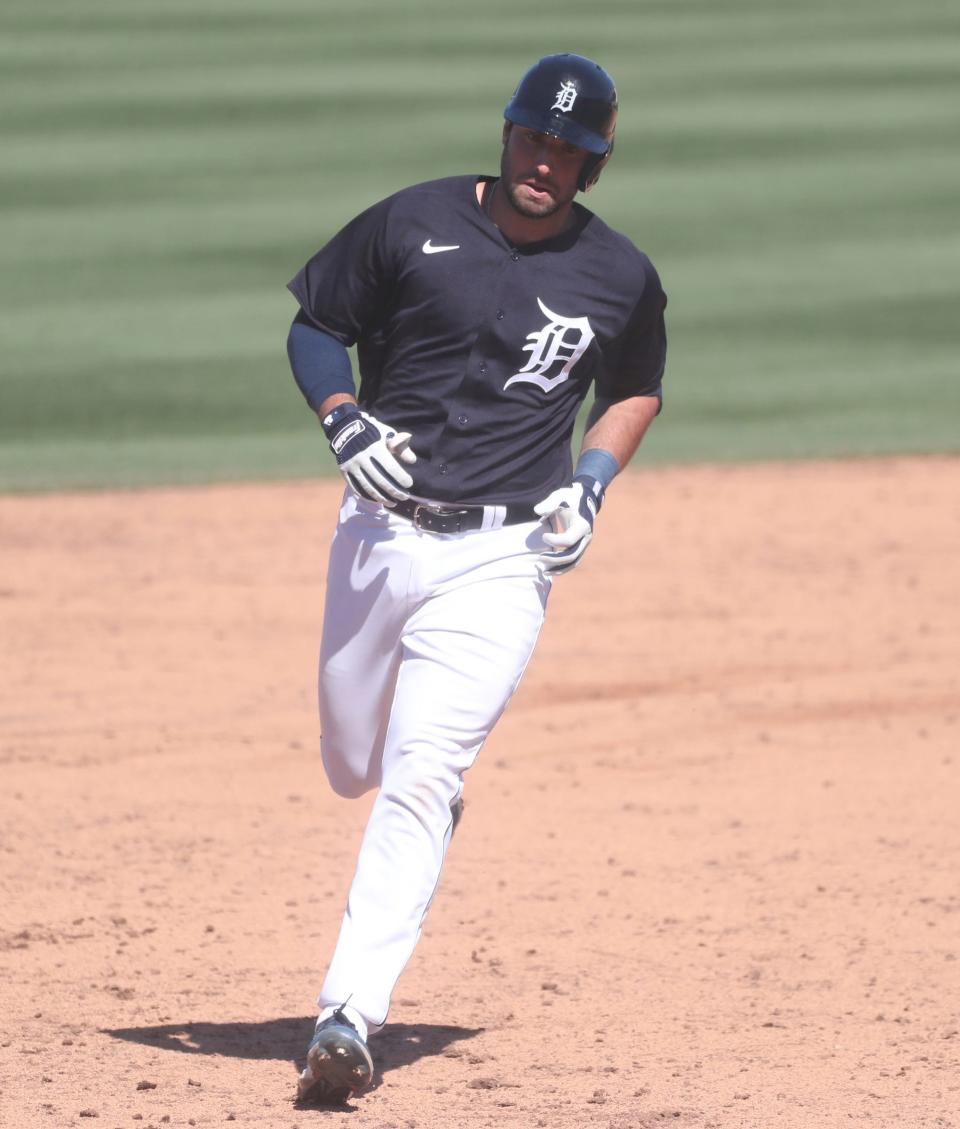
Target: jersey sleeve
x,y
634,362
342,288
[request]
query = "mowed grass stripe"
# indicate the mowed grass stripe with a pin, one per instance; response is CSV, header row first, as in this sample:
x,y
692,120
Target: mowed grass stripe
x,y
791,171
819,274
221,395
66,462
227,138
57,29
719,206
884,69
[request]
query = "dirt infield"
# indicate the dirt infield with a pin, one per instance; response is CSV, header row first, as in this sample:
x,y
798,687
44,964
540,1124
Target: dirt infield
x,y
708,872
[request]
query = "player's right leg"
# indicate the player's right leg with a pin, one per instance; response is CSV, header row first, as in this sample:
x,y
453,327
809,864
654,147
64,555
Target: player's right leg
x,y
367,604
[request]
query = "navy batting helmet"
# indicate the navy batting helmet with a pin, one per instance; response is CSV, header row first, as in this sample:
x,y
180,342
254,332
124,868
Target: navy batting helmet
x,y
573,98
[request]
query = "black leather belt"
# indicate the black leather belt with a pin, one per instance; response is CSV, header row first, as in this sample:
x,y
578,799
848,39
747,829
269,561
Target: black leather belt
x,y
462,519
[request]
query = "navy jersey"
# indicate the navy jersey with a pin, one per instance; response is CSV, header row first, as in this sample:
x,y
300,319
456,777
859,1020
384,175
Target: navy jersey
x,y
482,350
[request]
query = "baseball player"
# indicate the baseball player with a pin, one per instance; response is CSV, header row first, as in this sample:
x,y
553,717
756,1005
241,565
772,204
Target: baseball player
x,y
484,309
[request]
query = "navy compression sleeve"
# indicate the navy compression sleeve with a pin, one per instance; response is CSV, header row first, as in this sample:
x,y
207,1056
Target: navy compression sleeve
x,y
321,365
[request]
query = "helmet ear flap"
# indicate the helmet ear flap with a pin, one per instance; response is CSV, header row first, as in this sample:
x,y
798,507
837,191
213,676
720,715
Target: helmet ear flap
x,y
593,166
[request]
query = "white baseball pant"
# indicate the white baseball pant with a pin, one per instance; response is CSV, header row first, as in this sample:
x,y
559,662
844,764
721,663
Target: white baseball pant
x,y
425,639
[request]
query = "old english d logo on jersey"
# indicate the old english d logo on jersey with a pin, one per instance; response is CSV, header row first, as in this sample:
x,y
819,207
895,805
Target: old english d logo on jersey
x,y
561,342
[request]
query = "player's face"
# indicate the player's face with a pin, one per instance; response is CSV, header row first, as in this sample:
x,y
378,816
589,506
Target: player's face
x,y
539,172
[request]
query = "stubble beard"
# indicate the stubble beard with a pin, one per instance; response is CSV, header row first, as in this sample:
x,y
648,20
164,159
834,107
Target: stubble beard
x,y
531,209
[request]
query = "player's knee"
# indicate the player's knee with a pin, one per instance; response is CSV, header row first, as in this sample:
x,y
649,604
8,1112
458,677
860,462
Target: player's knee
x,y
422,784
344,779
350,788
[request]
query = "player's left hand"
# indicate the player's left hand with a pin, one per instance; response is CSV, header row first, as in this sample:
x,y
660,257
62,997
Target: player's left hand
x,y
571,512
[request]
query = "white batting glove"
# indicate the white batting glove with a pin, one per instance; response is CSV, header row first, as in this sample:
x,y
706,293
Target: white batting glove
x,y
571,512
369,454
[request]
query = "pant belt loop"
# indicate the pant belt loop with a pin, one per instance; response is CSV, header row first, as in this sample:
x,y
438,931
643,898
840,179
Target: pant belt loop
x,y
493,517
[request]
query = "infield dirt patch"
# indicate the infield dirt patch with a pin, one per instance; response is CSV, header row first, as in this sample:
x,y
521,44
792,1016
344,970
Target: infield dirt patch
x,y
707,874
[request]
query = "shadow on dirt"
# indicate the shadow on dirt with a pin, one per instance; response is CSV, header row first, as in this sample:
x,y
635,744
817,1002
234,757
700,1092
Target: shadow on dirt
x,y
397,1045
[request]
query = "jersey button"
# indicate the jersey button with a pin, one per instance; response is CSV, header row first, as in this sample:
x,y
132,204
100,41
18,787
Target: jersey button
x,y
443,468
462,420
515,255
499,315
483,370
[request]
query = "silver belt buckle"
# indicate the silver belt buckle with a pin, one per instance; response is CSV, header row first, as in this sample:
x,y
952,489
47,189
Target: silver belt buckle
x,y
425,508
437,511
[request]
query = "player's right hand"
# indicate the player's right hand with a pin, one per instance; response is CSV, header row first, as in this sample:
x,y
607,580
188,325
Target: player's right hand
x,y
370,454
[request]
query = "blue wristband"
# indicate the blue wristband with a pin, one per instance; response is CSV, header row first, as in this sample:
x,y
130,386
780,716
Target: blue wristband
x,y
598,463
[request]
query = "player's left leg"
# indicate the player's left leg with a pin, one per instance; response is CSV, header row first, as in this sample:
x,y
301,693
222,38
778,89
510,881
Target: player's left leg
x,y
464,651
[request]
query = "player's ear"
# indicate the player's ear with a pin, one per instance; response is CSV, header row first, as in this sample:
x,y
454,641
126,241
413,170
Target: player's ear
x,y
507,126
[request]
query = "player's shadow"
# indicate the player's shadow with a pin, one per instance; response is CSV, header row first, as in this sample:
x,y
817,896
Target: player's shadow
x,y
397,1045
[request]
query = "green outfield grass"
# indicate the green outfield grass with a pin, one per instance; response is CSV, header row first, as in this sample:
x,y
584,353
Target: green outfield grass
x,y
791,169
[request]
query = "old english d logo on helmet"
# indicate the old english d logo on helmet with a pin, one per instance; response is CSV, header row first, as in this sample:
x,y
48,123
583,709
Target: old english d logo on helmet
x,y
573,98
566,96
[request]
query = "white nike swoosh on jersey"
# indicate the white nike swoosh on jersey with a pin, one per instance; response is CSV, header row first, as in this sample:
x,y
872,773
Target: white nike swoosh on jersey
x,y
429,249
